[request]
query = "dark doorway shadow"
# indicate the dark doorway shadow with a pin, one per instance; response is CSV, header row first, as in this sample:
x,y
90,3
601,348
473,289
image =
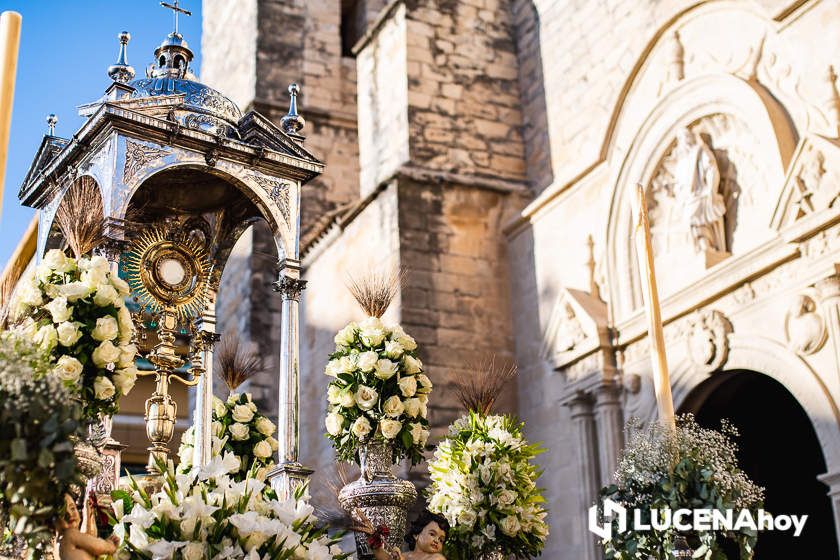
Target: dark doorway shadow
x,y
779,450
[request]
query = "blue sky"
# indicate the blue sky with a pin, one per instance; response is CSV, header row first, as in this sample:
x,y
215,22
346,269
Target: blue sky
x,y
65,50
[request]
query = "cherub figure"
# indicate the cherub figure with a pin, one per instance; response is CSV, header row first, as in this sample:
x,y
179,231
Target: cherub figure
x,y
73,544
425,538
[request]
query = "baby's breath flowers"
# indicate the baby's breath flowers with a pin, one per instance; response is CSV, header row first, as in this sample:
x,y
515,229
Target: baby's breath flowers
x,y
695,468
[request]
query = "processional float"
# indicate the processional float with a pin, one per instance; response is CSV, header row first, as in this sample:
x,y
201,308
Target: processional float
x,y
182,173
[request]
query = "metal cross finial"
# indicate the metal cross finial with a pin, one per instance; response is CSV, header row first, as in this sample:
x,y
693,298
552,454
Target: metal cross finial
x,y
52,120
175,11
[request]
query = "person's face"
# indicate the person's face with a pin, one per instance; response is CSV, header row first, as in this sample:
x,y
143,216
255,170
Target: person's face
x,y
431,538
72,514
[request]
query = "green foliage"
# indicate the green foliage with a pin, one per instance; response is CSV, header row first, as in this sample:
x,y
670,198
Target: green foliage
x,y
38,421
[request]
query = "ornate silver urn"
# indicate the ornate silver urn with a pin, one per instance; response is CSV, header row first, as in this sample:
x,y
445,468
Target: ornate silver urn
x,y
380,495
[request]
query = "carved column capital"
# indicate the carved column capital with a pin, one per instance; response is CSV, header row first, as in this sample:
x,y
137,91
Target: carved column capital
x,y
290,288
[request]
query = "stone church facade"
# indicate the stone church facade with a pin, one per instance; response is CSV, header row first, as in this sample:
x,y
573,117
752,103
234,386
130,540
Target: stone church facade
x,y
491,149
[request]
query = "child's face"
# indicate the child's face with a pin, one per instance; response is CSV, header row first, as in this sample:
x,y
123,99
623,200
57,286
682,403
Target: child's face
x,y
430,539
72,515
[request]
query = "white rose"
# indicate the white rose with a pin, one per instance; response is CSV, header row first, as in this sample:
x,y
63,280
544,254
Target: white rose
x,y
506,497
466,517
74,290
97,263
416,433
333,394
238,432
331,368
68,368
346,399
29,294
367,361
372,337
273,443
509,525
46,338
398,334
424,382
408,386
393,349
262,450
68,333
334,423
366,397
346,335
106,329
424,437
412,407
127,354
372,323
412,365
392,406
390,428
218,430
106,353
219,408
265,426
347,364
361,427
56,260
103,388
125,378
126,324
106,295
43,273
242,413
193,551
93,278
385,369
121,285
58,309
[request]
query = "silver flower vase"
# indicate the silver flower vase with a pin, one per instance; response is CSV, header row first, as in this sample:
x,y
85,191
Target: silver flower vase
x,y
381,496
495,554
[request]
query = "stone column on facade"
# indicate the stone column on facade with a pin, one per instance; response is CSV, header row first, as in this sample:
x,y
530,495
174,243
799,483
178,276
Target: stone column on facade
x,y
203,409
583,421
829,293
289,473
609,418
832,480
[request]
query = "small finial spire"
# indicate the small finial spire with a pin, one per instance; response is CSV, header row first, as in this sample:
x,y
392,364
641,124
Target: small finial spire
x,y
594,290
293,123
52,120
121,71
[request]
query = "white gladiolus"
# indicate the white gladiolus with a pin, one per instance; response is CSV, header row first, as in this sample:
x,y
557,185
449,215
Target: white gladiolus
x,y
68,333
361,427
385,369
265,426
238,432
58,310
390,428
103,388
334,423
106,329
367,361
393,406
106,353
366,397
242,413
68,368
408,386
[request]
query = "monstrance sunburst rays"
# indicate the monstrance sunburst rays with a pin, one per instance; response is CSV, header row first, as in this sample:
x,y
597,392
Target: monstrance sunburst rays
x,y
166,269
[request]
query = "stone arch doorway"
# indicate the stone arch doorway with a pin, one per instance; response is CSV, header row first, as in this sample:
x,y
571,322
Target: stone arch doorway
x,y
779,449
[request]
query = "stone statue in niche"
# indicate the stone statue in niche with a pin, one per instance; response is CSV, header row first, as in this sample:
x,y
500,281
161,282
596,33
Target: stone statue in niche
x,y
804,326
697,180
570,333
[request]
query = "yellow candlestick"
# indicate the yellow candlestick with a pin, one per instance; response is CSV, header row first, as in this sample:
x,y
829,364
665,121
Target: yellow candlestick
x,y
9,41
644,252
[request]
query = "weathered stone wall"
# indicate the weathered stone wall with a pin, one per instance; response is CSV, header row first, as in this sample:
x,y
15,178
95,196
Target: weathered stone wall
x,y
228,54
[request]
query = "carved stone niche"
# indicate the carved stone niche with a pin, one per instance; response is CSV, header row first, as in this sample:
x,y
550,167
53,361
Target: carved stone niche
x,y
805,327
706,334
577,329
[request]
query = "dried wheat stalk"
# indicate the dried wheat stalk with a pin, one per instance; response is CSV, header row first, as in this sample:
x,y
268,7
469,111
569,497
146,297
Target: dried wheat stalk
x,y
235,363
80,217
478,392
375,292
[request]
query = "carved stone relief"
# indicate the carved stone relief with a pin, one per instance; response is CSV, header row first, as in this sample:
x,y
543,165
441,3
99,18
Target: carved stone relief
x,y
805,328
706,333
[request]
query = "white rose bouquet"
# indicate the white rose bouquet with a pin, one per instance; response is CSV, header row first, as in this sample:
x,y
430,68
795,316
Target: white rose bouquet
x,y
484,484
238,428
378,390
74,310
207,513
